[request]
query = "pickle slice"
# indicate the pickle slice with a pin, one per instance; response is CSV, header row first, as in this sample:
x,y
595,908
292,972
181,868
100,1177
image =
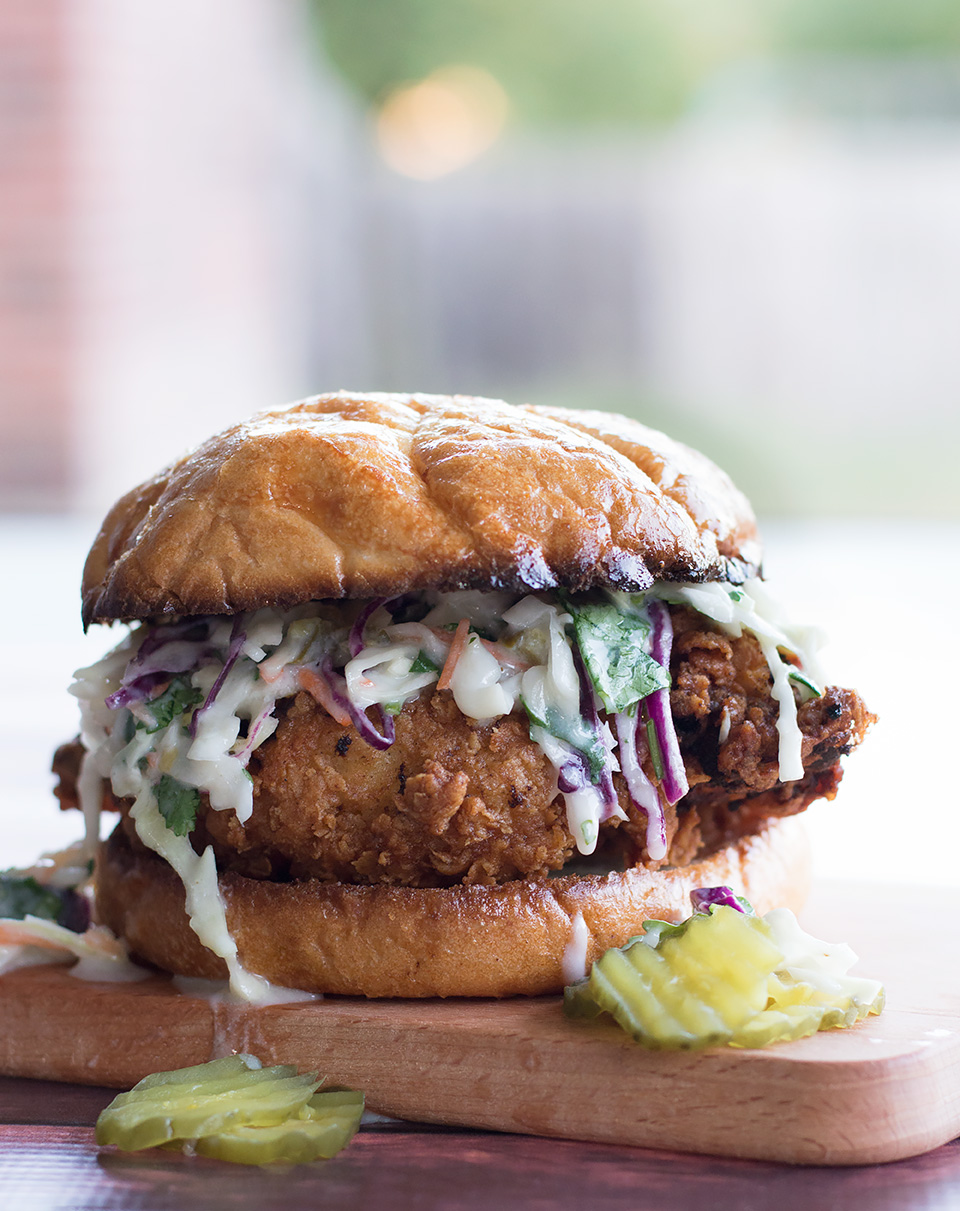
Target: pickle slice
x,y
325,1124
221,1079
334,1101
724,977
723,960
676,1008
694,990
190,1109
778,1026
725,950
579,1001
213,1070
633,1001
847,1002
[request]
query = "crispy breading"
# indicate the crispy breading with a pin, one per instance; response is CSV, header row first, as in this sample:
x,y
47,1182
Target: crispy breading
x,y
450,801
715,676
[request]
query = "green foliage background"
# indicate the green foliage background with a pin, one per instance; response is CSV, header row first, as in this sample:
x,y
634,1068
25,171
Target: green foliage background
x,y
570,62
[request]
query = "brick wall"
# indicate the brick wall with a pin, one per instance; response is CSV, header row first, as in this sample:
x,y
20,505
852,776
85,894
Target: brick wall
x,y
34,274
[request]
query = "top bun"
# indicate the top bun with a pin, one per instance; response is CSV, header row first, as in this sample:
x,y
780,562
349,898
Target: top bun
x,y
373,495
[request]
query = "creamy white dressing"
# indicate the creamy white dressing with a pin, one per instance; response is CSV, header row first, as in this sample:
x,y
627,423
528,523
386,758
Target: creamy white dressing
x,y
724,734
98,731
750,607
382,674
435,644
479,686
584,807
645,793
824,965
219,992
551,688
788,729
302,635
530,666
484,610
204,904
100,969
574,962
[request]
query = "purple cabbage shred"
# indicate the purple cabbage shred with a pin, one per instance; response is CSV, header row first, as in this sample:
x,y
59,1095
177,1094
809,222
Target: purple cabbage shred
x,y
338,688
243,756
74,911
642,791
674,782
356,641
573,776
704,898
238,637
168,650
138,690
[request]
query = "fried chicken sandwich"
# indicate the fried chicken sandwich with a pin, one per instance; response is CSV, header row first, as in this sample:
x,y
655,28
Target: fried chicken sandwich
x,y
434,696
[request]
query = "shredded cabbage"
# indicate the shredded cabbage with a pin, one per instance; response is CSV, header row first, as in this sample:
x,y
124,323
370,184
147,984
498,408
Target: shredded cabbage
x,y
177,709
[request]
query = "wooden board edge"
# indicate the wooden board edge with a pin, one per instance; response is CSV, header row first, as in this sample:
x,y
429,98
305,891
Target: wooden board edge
x,y
478,1054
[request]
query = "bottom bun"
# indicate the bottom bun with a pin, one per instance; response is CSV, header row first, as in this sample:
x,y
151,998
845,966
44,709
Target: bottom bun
x,y
468,941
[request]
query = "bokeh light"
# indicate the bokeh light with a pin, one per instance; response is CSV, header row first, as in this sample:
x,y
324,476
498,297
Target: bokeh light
x,y
441,123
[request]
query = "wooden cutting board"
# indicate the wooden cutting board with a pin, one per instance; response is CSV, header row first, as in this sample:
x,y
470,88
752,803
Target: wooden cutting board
x,y
887,1089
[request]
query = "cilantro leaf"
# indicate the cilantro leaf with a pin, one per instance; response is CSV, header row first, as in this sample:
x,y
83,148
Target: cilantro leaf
x,y
655,931
423,664
178,697
613,648
20,898
178,804
804,680
653,744
534,718
575,732
25,897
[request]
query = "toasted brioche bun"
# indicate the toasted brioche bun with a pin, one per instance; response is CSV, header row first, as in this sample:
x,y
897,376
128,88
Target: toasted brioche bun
x,y
364,496
473,941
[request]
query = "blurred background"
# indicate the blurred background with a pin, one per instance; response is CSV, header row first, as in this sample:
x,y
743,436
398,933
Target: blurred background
x,y
738,220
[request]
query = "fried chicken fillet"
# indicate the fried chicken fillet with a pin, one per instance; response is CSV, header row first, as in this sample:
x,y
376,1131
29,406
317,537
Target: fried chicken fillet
x,y
453,802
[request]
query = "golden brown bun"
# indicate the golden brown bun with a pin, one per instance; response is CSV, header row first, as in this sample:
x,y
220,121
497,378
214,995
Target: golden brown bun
x,y
470,941
363,496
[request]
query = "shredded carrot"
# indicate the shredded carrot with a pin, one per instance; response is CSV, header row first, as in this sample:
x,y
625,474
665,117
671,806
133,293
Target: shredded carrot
x,y
15,934
457,648
95,937
315,685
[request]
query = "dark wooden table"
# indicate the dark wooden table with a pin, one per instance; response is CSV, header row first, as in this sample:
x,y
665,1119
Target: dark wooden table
x,y
48,1160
